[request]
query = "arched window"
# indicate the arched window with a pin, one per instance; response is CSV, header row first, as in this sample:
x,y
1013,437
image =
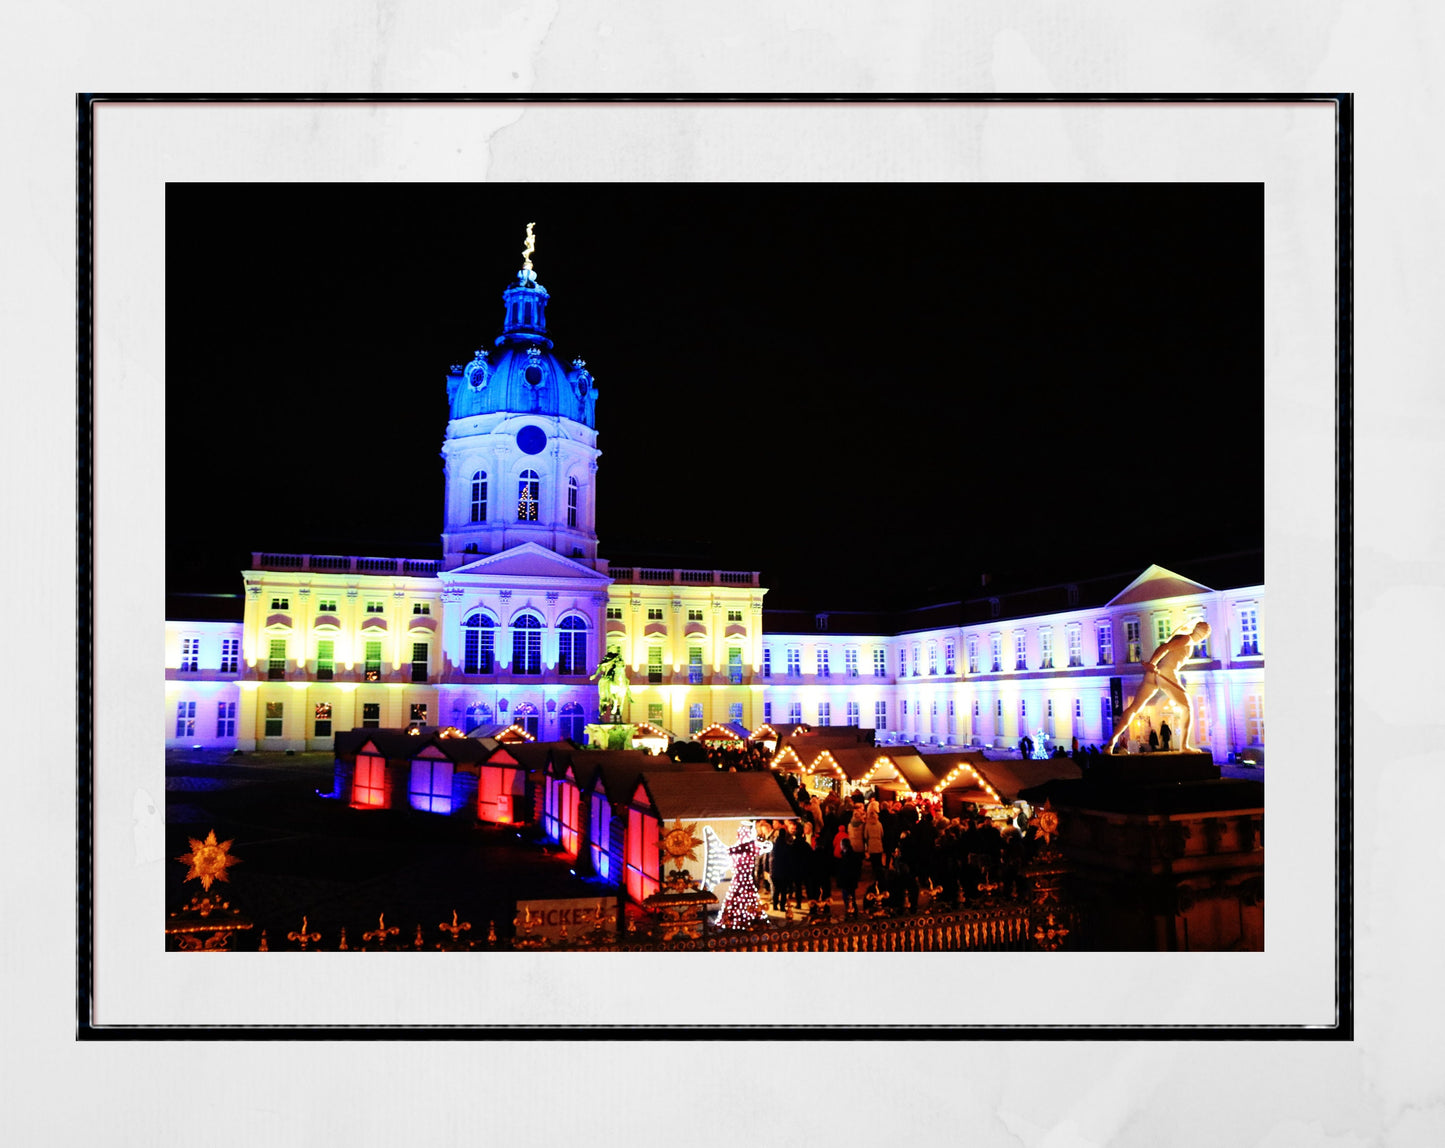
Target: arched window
x,y
479,645
572,722
529,490
572,645
479,496
525,715
527,645
572,502
478,716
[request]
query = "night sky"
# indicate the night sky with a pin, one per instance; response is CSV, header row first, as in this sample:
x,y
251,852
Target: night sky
x,y
871,393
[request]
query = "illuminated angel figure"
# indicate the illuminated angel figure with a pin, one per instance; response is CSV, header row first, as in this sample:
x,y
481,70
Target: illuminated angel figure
x,y
529,247
742,908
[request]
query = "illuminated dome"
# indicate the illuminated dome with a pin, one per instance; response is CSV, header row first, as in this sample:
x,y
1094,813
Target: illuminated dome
x,y
521,374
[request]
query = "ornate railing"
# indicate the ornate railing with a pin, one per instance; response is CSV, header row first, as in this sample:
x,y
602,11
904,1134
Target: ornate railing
x,y
345,564
678,577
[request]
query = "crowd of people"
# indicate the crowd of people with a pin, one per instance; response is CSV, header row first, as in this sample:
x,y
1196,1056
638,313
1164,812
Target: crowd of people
x,y
879,855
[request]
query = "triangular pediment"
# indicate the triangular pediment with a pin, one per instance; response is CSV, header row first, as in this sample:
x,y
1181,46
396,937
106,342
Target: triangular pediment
x,y
1157,582
526,561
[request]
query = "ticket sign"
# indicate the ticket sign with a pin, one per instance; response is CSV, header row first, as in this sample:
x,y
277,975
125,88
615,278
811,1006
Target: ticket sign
x,y
547,919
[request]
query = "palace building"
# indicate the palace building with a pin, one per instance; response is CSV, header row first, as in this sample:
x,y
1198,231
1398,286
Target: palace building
x,y
509,624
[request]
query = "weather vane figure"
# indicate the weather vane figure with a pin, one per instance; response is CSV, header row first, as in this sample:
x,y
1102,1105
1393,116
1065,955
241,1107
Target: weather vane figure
x,y
529,247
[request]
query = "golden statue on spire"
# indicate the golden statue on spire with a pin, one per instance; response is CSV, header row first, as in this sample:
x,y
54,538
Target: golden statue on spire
x,y
529,247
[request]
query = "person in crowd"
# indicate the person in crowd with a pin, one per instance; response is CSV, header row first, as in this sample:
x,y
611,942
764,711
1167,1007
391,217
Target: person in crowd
x,y
873,842
783,876
849,861
1153,740
1165,733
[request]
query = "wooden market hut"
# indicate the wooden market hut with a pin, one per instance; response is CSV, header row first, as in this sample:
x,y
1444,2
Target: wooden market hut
x,y
406,768
696,799
730,734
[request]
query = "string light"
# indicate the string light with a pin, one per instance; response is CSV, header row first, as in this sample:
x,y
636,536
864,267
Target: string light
x,y
741,908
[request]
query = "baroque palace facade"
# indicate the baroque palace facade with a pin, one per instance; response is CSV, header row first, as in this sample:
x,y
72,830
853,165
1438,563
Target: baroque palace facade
x,y
508,626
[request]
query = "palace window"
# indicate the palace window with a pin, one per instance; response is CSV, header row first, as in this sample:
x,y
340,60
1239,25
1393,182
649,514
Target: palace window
x,y
952,720
795,713
735,712
795,662
375,606
950,660
1163,630
572,502
280,603
932,660
654,712
529,488
1200,649
902,663
478,645
850,663
1254,719
525,715
230,655
905,707
853,713
972,655
735,615
996,642
370,715
880,715
325,660
420,608
225,719
1131,640
326,605
654,613
418,662
880,663
825,714
1076,645
276,664
368,784
694,665
998,717
1049,717
571,722
823,669
572,645
768,712
431,785
1046,649
1248,632
190,655
527,645
478,714
767,662
1106,644
275,713
418,715
323,720
735,666
694,719
1021,661
654,664
694,615
614,613
186,719
917,661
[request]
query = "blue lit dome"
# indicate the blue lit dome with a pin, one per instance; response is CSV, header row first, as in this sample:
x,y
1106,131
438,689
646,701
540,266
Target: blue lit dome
x,y
521,374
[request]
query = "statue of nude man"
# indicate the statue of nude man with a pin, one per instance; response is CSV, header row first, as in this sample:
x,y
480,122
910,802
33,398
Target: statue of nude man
x,y
1161,675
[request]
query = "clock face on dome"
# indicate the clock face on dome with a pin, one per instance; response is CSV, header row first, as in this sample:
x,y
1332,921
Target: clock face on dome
x,y
531,439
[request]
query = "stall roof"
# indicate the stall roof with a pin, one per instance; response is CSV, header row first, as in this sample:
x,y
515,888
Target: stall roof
x,y
507,733
724,731
693,794
1011,778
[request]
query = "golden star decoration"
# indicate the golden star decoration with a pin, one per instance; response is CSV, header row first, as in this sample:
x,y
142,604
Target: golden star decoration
x,y
680,842
208,860
1045,821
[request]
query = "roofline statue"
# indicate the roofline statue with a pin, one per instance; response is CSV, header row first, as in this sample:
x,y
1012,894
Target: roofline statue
x,y
612,685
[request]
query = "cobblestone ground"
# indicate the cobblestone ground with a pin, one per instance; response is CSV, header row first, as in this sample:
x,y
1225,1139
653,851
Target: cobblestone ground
x,y
302,854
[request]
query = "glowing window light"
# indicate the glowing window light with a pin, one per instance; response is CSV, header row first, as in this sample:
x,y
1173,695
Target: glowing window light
x,y
431,785
368,789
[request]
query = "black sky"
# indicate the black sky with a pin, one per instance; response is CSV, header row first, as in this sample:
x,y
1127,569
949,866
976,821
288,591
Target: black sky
x,y
872,393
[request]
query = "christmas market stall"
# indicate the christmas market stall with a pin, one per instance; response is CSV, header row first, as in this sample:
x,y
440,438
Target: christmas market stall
x,y
511,783
652,738
724,735
432,771
714,810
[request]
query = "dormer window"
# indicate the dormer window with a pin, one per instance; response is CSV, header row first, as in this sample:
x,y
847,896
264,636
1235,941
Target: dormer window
x,y
280,603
